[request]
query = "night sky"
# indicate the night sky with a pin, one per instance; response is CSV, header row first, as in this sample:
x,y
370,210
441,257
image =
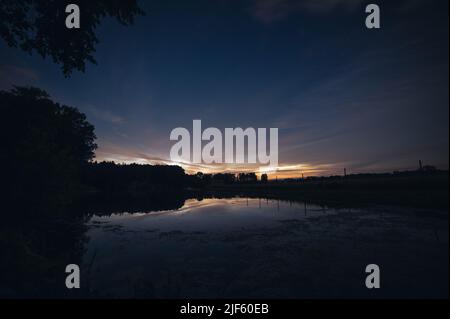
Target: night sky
x,y
341,95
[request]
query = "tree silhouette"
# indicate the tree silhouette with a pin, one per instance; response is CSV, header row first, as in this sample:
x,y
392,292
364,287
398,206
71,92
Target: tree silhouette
x,y
264,178
247,177
39,25
45,146
134,180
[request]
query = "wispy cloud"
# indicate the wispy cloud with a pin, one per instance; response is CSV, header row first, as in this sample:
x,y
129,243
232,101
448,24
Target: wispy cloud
x,y
107,116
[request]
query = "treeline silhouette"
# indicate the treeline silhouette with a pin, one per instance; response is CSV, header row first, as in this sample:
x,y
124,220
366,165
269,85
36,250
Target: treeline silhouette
x,y
111,188
201,179
47,154
133,179
45,146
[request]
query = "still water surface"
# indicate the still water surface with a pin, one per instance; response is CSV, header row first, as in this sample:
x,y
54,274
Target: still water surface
x,y
258,248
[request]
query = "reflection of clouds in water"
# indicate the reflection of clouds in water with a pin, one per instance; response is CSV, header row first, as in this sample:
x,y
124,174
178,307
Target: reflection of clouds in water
x,y
286,257
212,214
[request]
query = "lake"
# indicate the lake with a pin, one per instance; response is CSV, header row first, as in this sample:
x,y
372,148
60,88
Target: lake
x,y
258,248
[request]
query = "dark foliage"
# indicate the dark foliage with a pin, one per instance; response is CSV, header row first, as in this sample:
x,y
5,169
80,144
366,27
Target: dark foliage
x,y
247,177
39,25
225,178
264,178
45,146
134,180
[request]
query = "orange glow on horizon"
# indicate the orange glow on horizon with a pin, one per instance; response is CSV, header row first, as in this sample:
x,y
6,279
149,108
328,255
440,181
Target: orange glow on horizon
x,y
280,172
117,154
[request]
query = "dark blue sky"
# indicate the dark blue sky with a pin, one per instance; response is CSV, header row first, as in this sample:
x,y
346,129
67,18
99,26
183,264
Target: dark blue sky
x,y
340,94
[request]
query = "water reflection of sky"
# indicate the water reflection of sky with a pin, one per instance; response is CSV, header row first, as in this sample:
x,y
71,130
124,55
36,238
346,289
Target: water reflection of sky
x,y
218,214
255,248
